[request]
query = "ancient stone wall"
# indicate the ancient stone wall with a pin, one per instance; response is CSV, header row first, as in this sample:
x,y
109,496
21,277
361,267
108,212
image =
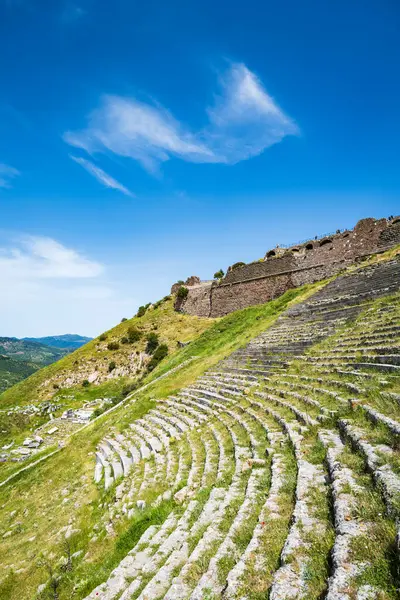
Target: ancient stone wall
x,y
198,301
283,269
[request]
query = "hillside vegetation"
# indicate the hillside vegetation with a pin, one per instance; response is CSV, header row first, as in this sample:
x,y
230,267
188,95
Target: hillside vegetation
x,y
21,358
259,461
100,369
63,485
92,361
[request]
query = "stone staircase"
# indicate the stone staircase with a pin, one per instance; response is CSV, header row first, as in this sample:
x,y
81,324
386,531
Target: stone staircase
x,y
281,464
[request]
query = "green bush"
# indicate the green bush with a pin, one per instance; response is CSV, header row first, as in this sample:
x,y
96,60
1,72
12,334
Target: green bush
x,y
152,342
160,353
111,366
182,292
124,340
219,274
85,383
141,311
102,337
133,334
238,264
130,387
113,346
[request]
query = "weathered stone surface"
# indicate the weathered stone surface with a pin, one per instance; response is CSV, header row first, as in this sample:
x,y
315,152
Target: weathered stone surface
x,y
283,269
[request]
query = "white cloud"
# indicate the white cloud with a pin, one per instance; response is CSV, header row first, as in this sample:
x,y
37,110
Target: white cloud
x,y
49,288
140,131
243,122
6,174
36,258
101,175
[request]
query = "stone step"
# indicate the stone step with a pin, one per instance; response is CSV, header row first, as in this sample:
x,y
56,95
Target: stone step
x,y
348,527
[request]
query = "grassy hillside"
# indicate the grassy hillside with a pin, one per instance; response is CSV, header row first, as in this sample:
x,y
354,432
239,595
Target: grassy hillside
x,y
95,357
61,490
109,363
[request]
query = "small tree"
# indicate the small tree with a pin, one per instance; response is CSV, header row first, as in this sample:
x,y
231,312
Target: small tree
x,y
141,311
182,292
113,346
160,353
67,551
123,319
54,579
111,366
152,342
85,383
102,337
133,334
219,274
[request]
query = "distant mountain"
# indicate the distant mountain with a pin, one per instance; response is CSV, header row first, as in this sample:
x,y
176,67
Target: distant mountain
x,y
68,341
21,358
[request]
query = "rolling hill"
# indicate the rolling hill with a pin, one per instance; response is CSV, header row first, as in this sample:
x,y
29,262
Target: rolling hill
x,y
68,341
21,358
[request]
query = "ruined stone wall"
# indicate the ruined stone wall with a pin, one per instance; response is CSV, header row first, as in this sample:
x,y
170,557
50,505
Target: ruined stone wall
x,y
283,269
198,301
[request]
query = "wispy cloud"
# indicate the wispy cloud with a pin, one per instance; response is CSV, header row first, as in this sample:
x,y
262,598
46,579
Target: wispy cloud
x,y
45,278
243,122
7,173
146,133
101,175
36,257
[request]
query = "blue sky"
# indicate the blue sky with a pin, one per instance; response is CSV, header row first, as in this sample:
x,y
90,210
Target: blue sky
x,y
144,142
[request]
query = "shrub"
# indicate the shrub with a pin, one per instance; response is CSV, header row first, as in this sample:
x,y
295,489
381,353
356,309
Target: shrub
x,y
182,292
219,274
160,353
180,281
152,342
133,334
130,387
102,337
56,386
113,346
111,366
85,383
123,319
238,264
124,340
141,311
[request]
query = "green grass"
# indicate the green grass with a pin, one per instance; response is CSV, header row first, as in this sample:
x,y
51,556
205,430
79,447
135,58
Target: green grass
x,y
39,490
168,324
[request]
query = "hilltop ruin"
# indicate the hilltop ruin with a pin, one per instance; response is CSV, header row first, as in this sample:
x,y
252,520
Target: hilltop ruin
x,y
284,268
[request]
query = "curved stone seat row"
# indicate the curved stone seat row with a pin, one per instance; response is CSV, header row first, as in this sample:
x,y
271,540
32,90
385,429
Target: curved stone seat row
x,y
252,451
